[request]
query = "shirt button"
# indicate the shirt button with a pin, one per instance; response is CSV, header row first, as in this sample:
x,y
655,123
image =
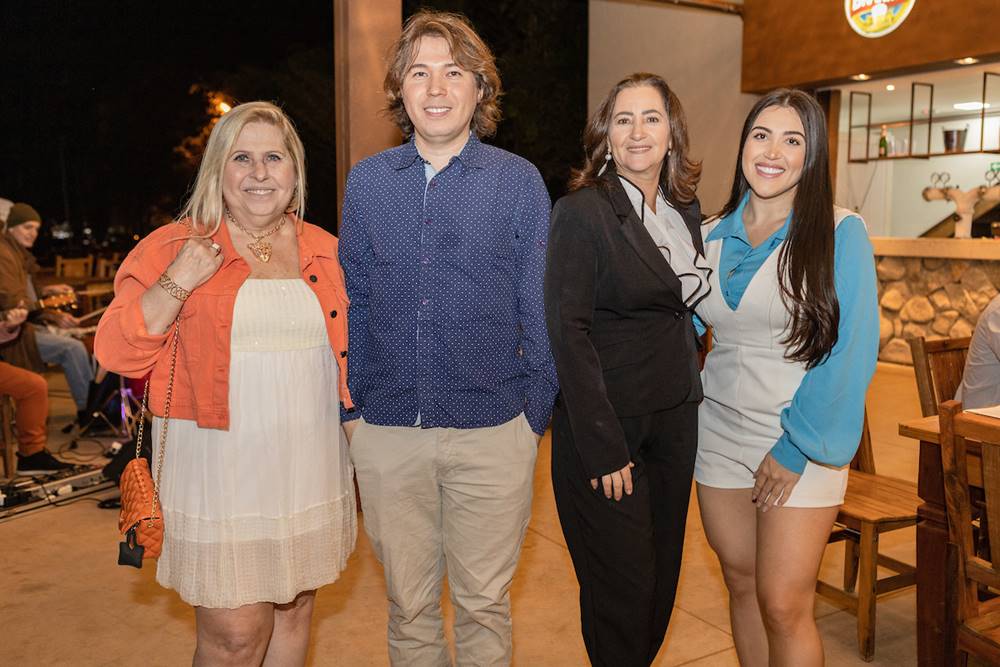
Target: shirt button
x,y
333,313
313,278
427,221
424,302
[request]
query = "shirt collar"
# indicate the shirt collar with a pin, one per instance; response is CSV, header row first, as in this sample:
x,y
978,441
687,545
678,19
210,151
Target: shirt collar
x,y
472,153
732,226
638,199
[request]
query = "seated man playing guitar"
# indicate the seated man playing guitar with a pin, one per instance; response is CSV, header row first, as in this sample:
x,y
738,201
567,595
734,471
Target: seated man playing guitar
x,y
17,268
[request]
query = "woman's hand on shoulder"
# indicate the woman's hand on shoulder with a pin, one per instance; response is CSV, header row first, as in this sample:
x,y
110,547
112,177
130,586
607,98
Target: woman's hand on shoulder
x,y
197,261
773,484
616,483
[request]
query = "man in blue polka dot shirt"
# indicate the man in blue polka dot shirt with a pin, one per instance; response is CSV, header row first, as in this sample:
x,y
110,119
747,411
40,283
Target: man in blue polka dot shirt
x,y
443,247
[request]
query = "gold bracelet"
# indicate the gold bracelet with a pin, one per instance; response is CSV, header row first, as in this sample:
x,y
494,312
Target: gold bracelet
x,y
172,288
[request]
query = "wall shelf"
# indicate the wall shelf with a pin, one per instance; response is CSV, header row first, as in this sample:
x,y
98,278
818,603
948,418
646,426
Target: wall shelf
x,y
913,126
925,156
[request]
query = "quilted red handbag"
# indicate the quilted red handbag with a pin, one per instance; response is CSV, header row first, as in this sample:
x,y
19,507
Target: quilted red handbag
x,y
140,521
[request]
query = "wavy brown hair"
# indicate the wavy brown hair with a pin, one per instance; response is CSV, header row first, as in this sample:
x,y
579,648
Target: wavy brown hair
x,y
805,265
470,53
679,174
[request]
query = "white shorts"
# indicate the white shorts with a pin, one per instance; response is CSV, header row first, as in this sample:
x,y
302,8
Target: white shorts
x,y
819,485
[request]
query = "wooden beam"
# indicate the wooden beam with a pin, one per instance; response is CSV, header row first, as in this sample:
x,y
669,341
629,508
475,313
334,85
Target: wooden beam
x,y
708,5
830,101
362,34
827,51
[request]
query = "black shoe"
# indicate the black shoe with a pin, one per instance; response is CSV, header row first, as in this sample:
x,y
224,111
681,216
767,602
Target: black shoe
x,y
40,463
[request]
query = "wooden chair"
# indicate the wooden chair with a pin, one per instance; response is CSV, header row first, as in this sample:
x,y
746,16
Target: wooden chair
x,y
938,365
874,504
106,267
978,622
7,440
77,267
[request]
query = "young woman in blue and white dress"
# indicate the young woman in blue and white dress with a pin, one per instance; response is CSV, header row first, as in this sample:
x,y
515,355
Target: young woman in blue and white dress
x,y
794,315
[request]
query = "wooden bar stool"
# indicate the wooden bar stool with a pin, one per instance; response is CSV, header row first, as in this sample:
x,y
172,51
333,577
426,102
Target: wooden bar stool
x,y
978,622
874,504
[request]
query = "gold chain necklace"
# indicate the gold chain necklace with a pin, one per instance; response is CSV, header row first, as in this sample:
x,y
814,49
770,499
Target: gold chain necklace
x,y
260,249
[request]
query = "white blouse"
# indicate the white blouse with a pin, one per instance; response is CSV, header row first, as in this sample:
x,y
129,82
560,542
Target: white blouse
x,y
671,236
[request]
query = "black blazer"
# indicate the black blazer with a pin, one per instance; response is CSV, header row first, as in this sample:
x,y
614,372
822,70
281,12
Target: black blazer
x,y
622,338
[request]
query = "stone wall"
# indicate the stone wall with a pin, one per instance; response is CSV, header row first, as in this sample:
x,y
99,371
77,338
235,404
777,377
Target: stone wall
x,y
930,297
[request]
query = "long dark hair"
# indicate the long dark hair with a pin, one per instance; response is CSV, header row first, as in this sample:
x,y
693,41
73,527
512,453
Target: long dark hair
x,y
678,176
805,265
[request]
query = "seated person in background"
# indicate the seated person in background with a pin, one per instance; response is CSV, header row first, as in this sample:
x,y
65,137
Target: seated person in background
x,y
980,386
31,395
17,269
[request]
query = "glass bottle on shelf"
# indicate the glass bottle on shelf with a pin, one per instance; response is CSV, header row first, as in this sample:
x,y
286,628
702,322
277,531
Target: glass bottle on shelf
x,y
883,142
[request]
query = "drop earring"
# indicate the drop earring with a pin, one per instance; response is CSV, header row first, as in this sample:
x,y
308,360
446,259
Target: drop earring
x,y
607,160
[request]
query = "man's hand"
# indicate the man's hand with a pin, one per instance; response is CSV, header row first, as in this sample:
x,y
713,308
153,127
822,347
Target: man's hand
x,y
61,319
11,326
15,317
349,428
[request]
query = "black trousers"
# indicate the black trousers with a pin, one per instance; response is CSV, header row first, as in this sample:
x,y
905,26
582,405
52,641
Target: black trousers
x,y
627,554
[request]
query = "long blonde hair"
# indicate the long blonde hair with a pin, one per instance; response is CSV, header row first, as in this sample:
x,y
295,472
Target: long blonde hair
x,y
206,206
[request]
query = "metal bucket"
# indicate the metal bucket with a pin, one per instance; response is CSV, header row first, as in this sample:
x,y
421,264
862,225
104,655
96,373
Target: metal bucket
x,y
954,140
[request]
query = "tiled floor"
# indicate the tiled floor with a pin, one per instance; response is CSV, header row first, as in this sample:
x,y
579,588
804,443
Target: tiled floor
x,y
64,601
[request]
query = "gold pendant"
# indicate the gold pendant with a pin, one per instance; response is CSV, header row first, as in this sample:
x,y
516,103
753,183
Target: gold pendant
x,y
261,250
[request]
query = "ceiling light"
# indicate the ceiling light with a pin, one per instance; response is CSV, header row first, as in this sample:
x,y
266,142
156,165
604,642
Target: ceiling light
x,y
890,87
967,61
971,106
860,77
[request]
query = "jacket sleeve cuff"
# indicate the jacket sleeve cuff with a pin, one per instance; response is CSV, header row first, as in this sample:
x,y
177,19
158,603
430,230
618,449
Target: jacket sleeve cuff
x,y
134,328
788,455
349,414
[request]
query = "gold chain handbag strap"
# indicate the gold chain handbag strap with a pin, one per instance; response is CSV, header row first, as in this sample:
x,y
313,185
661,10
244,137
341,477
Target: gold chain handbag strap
x,y
166,421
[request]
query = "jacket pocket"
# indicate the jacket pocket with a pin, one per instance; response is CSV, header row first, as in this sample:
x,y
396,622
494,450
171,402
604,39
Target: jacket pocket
x,y
621,353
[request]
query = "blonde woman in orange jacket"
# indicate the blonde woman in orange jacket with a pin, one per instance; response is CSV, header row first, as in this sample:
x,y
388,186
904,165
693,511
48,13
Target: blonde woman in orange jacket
x,y
256,482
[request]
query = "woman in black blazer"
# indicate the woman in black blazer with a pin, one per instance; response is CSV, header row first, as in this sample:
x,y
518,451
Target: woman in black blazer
x,y
625,267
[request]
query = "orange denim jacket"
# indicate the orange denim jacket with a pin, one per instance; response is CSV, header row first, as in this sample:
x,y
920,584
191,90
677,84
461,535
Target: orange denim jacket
x,y
201,382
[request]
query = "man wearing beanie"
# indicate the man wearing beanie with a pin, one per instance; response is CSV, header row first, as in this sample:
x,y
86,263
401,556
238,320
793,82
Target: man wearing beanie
x,y
17,269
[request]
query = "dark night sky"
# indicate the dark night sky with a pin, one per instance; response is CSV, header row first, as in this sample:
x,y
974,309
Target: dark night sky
x,y
95,95
100,91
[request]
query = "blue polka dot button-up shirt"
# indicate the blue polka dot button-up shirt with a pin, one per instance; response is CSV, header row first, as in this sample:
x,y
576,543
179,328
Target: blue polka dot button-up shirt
x,y
444,275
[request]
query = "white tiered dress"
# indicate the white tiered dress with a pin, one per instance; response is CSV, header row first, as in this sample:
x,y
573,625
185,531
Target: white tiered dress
x,y
265,510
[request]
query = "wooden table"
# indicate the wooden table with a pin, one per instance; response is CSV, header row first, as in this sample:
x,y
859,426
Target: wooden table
x,y
935,616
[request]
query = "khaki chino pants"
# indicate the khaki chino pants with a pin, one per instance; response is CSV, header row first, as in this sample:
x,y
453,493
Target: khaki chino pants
x,y
445,499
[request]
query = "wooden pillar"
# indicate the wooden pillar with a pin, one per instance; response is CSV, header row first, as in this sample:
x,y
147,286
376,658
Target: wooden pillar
x,y
363,30
830,101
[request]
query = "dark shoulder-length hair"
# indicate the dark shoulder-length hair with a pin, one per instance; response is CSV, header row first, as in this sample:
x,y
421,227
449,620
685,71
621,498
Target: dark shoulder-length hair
x,y
679,174
805,263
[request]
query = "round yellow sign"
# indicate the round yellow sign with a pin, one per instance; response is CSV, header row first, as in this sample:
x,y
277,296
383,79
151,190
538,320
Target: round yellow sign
x,y
875,18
